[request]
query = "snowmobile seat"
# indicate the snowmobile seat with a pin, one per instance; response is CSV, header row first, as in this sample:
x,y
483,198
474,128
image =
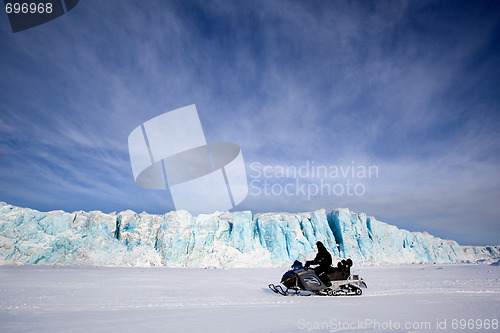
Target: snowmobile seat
x,y
341,272
334,274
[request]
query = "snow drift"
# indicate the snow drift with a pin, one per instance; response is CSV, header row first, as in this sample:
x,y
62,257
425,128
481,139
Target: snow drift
x,y
227,239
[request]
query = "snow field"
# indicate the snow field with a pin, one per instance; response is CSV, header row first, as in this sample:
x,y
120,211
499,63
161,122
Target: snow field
x,y
38,298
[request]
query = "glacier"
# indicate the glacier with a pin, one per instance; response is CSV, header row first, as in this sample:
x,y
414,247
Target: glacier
x,y
221,239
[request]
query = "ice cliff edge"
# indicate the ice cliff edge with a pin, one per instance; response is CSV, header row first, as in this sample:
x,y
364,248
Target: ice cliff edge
x,y
221,239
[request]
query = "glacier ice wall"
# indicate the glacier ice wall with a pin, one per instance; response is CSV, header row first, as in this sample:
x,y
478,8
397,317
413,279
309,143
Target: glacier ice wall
x,y
365,239
227,239
482,253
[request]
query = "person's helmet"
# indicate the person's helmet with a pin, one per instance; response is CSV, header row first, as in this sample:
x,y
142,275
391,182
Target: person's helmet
x,y
348,262
319,244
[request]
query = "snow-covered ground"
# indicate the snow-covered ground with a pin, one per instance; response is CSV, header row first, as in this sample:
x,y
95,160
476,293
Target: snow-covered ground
x,y
38,298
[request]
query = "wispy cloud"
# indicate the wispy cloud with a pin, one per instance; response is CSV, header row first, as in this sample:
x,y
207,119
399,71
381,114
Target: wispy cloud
x,y
410,87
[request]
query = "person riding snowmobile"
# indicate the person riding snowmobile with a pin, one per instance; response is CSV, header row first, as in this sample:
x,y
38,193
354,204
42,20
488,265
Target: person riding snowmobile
x,y
323,259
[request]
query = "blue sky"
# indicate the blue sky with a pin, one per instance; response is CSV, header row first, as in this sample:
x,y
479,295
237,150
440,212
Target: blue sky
x,y
411,87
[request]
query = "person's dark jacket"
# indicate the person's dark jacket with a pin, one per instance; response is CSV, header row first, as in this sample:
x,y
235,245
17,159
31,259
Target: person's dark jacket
x,y
323,258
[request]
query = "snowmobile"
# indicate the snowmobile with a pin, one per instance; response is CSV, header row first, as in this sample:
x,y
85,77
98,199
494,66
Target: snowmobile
x,y
334,282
